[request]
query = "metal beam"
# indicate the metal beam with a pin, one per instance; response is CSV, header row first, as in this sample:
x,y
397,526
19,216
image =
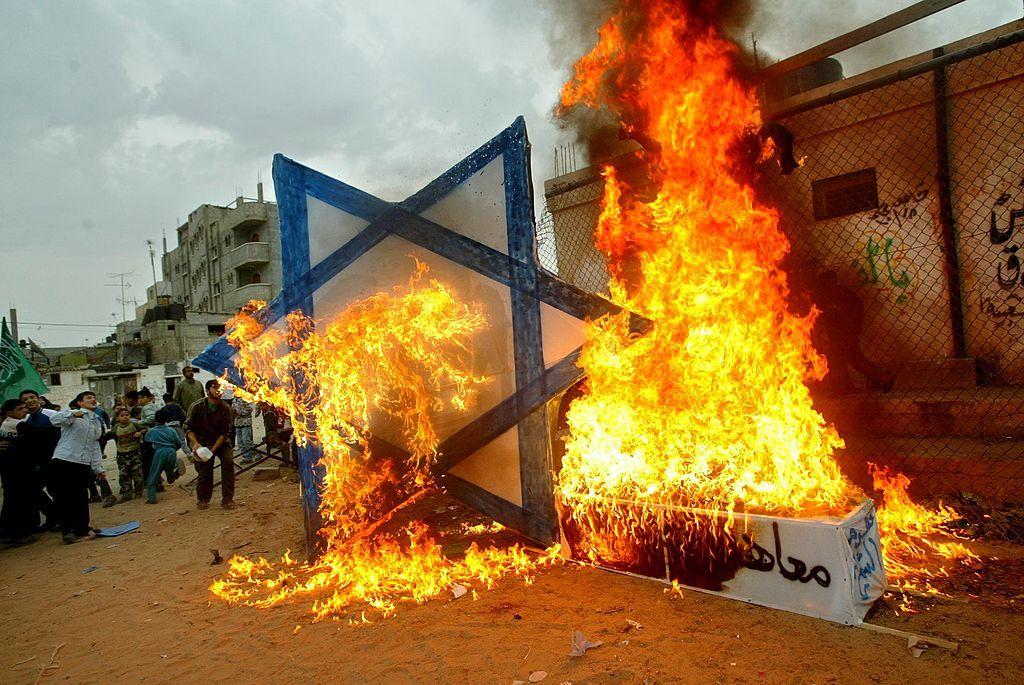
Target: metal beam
x,y
896,20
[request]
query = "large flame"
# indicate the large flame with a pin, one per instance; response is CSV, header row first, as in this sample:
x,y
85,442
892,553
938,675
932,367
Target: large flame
x,y
709,409
398,356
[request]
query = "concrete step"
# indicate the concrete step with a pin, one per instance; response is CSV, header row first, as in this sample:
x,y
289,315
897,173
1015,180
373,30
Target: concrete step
x,y
988,412
992,468
959,372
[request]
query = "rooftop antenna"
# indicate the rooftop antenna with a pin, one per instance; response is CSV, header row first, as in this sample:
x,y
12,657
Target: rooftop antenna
x,y
123,285
152,260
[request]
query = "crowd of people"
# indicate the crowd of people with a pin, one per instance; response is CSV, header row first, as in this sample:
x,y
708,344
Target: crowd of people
x,y
51,458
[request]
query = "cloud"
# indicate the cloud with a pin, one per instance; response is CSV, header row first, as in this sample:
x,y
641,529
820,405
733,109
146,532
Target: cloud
x,y
120,118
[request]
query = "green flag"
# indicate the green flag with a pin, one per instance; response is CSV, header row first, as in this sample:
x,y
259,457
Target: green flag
x,y
16,373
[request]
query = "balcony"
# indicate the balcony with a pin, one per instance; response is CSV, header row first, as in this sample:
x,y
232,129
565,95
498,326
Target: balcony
x,y
247,255
245,215
235,299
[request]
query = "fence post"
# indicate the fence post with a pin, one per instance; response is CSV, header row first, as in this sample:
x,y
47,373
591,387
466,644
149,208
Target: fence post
x,y
949,247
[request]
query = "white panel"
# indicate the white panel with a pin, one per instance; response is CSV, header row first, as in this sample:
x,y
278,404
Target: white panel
x,y
495,467
561,333
476,208
389,264
329,228
823,566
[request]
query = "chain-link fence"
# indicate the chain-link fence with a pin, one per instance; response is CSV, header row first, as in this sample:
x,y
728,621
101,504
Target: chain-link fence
x,y
911,195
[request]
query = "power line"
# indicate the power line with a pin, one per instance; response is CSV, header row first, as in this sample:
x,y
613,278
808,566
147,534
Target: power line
x,y
69,325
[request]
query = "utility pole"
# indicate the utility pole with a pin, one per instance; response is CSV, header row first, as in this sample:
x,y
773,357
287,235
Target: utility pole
x,y
152,261
14,325
123,285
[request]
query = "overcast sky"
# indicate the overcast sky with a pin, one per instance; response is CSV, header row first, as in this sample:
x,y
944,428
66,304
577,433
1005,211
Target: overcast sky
x,y
119,118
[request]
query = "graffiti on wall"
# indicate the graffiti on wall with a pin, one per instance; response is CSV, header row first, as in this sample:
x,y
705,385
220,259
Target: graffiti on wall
x,y
882,261
903,210
1006,223
881,264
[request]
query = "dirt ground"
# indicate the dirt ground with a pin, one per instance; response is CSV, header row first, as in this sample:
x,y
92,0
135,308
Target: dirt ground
x,y
144,614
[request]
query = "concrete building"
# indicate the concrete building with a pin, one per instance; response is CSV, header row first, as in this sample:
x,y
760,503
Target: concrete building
x,y
226,256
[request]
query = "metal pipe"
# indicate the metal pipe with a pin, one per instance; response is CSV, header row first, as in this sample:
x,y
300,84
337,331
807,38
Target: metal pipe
x,y
904,74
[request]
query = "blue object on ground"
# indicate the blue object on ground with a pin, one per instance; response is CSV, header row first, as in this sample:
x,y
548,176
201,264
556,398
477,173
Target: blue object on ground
x,y
90,569
114,531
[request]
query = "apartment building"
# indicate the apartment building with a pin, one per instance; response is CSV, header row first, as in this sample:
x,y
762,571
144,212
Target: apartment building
x,y
226,256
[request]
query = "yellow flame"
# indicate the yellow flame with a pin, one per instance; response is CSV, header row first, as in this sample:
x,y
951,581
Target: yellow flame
x,y
403,355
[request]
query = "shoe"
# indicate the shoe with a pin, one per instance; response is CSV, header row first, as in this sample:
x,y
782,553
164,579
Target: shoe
x,y
139,493
51,526
21,542
230,504
247,460
68,539
93,499
151,500
202,505
127,497
109,501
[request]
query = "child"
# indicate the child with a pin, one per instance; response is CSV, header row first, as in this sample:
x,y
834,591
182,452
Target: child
x,y
166,442
127,436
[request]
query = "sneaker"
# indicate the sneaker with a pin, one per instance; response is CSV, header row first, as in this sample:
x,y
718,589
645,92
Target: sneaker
x,y
20,542
68,539
202,505
247,460
229,504
127,497
109,501
151,500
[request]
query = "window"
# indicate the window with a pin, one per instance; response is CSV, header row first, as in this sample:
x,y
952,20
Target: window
x,y
231,279
227,240
254,238
215,330
216,288
54,379
170,327
845,194
255,277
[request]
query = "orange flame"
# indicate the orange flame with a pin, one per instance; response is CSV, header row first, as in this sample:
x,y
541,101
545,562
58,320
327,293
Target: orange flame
x,y
913,555
709,409
398,357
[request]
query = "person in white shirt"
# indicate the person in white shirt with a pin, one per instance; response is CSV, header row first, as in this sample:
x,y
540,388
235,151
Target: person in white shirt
x,y
77,453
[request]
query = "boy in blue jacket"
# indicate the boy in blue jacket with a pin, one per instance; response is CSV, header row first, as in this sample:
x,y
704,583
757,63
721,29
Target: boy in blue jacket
x,y
166,442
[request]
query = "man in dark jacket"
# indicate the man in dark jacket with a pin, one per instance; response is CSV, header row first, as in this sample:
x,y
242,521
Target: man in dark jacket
x,y
38,440
209,425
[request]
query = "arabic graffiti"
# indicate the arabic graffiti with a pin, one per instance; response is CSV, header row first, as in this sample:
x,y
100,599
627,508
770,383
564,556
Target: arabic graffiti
x,y
1002,224
867,558
1006,313
904,209
880,265
764,561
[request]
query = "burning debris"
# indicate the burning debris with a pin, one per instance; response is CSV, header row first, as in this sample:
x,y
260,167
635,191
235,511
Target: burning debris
x,y
709,410
395,353
694,452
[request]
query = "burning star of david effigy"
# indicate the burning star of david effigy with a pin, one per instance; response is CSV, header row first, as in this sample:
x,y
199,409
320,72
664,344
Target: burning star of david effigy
x,y
666,430
414,345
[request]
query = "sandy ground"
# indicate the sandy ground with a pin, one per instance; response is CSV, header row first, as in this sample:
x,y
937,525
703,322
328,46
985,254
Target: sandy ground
x,y
145,615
